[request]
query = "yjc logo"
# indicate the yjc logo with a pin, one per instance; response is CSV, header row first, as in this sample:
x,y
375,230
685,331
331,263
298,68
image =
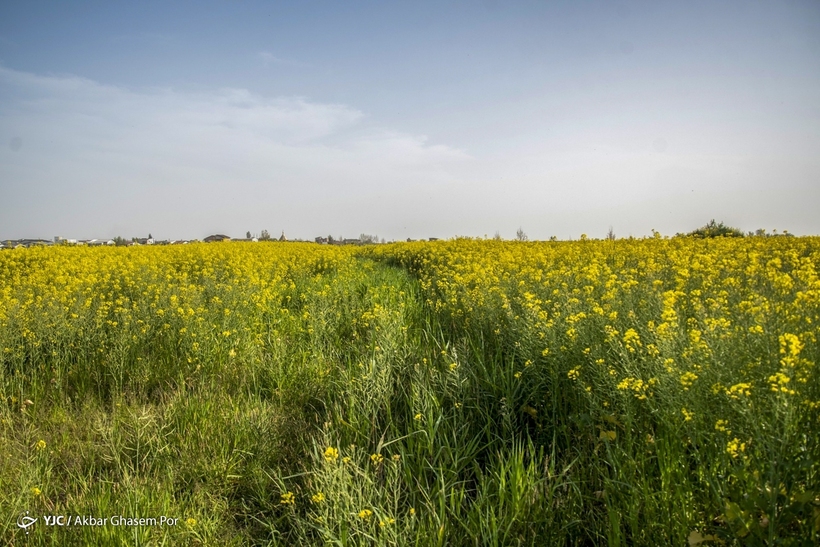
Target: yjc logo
x,y
25,522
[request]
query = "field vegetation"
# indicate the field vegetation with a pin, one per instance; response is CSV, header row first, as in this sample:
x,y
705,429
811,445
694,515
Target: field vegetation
x,y
469,392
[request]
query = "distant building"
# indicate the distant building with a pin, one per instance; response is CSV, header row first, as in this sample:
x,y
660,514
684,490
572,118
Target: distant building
x,y
36,242
216,237
282,237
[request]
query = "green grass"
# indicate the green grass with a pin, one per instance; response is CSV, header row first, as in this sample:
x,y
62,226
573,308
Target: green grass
x,y
387,420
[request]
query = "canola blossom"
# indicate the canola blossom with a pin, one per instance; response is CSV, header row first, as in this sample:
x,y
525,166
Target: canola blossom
x,y
680,337
584,392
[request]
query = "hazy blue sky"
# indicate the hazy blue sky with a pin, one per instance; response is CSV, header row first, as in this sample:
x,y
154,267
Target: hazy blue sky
x,y
412,119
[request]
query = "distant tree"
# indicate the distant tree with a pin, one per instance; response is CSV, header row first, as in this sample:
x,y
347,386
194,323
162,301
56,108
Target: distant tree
x,y
610,235
715,229
367,238
520,235
330,239
497,236
119,241
150,236
265,236
785,233
248,234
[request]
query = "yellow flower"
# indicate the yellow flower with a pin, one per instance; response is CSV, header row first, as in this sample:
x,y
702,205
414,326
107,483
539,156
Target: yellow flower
x,y
396,457
517,375
365,514
608,435
318,497
632,340
191,522
41,444
738,390
638,386
376,459
453,366
779,381
287,499
35,491
412,511
721,425
574,373
417,417
346,459
687,379
687,416
735,447
331,454
790,345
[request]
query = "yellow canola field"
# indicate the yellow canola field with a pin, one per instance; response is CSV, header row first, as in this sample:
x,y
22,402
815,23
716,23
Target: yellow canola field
x,y
198,302
720,333
663,389
735,318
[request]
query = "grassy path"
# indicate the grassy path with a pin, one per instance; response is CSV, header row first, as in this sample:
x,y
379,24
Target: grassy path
x,y
224,433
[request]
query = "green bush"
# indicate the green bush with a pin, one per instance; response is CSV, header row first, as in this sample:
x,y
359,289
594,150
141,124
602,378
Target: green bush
x,y
715,229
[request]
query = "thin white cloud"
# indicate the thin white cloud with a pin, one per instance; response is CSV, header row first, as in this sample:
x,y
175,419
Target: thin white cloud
x,y
82,159
269,58
92,159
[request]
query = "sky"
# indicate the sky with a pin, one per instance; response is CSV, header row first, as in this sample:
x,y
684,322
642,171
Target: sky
x,y
407,120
